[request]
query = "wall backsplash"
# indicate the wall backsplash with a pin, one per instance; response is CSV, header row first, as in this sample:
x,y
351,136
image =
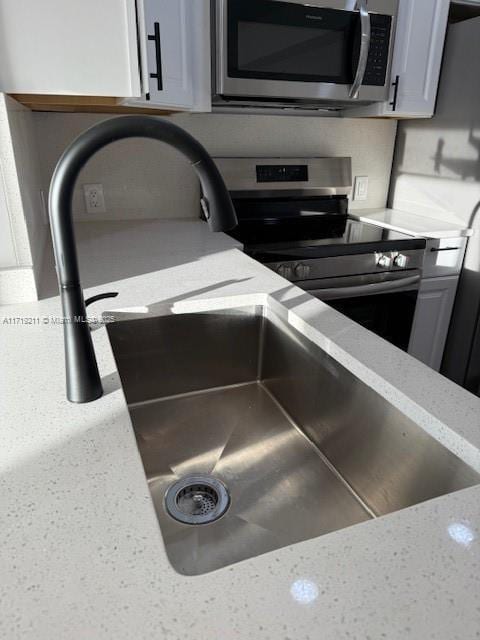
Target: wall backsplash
x,y
146,179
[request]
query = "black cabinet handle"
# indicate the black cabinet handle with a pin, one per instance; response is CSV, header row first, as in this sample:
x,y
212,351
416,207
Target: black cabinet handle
x,y
395,84
158,55
444,249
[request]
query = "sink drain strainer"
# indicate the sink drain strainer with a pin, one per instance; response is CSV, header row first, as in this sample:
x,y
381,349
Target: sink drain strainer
x,y
197,500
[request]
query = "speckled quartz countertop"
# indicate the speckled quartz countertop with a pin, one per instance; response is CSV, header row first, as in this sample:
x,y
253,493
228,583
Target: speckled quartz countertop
x,y
411,223
82,555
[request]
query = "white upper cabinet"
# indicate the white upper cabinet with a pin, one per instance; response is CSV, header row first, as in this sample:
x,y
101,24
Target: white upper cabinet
x,y
67,47
417,59
146,53
157,53
175,54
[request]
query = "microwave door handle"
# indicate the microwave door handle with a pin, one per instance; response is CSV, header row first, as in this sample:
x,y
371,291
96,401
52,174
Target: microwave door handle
x,y
366,289
364,49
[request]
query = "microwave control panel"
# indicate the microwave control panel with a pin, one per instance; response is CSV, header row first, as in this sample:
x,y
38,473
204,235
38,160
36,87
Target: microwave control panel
x,y
376,72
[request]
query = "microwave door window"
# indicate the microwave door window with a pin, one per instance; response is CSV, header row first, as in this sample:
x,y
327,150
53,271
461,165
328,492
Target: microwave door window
x,y
294,44
288,51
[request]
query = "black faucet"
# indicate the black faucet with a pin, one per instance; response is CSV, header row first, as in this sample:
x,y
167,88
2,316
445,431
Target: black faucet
x,y
83,379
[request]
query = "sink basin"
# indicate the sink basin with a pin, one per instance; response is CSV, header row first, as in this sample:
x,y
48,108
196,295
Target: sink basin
x,y
253,438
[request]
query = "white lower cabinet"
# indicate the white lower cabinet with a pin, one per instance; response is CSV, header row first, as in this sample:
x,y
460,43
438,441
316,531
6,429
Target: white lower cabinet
x,y
432,320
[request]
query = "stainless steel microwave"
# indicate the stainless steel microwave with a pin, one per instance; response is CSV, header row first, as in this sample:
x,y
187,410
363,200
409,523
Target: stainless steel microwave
x,y
302,52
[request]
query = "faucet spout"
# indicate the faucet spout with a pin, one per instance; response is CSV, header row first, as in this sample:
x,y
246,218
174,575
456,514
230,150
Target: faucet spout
x,y
82,375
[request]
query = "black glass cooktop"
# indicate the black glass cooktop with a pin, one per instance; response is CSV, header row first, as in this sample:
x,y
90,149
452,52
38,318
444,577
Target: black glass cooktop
x,y
279,228
273,244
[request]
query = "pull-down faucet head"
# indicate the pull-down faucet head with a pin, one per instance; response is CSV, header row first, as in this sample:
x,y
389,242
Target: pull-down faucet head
x,y
82,376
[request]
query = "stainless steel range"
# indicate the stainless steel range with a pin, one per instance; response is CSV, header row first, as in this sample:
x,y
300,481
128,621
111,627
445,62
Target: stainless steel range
x,y
293,217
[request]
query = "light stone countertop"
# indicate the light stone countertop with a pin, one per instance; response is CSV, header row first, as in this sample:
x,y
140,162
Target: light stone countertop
x,y
82,555
416,225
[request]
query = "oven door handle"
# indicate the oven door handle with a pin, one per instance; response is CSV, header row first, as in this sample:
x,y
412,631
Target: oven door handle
x,y
364,49
365,289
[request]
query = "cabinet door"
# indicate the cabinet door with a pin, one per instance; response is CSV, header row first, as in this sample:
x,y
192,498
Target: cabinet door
x,y
432,320
444,257
417,58
175,54
83,48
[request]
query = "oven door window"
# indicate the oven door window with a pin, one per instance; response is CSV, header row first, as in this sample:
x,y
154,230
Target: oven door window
x,y
284,41
389,315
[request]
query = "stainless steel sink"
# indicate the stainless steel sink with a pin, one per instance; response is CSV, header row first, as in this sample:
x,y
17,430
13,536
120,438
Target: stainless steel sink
x,y
243,421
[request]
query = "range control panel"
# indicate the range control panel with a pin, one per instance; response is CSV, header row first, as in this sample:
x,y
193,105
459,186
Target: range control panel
x,y
282,173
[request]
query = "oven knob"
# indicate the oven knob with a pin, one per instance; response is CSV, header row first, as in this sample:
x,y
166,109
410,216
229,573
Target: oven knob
x,y
302,271
400,261
383,260
285,271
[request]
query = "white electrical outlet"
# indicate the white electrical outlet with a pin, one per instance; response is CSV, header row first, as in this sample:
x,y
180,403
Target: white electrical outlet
x,y
361,188
94,200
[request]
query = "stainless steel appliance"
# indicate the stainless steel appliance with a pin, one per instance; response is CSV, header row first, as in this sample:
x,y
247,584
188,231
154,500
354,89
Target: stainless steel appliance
x,y
293,217
298,53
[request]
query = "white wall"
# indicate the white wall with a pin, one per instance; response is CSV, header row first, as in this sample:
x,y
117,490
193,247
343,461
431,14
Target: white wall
x,y
22,224
27,163
144,179
437,173
7,248
437,161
